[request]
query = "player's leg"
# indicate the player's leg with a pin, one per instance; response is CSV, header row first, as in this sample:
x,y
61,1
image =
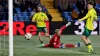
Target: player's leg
x,y
72,45
46,45
56,46
40,38
46,32
86,40
39,34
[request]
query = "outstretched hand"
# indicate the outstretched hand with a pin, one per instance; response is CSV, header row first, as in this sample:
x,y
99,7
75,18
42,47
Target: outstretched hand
x,y
69,23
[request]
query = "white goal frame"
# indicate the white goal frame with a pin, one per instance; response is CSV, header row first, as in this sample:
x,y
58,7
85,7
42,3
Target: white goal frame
x,y
10,5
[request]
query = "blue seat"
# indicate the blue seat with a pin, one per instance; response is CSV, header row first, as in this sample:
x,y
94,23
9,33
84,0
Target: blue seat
x,y
75,7
69,18
29,9
29,13
27,18
15,18
65,14
19,14
17,9
25,13
98,18
21,18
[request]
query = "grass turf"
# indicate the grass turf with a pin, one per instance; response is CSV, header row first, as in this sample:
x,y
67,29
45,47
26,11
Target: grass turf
x,y
23,47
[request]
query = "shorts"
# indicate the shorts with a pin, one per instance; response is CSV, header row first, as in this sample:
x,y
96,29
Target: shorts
x,y
87,32
42,29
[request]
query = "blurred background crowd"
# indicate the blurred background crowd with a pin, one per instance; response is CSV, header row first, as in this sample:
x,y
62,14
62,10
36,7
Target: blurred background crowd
x,y
56,10
3,10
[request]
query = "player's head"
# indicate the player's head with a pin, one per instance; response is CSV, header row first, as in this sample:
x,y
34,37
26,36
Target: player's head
x,y
39,9
90,4
58,32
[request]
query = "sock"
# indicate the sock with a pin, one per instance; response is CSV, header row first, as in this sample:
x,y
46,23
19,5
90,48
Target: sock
x,y
41,42
89,45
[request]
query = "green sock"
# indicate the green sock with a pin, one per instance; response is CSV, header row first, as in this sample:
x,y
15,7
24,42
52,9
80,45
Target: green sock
x,y
89,43
41,42
86,45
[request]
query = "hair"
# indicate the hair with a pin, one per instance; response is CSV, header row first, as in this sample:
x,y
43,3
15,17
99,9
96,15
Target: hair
x,y
38,7
90,2
56,31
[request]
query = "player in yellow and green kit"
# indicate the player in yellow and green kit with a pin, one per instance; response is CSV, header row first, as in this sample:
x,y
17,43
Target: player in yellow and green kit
x,y
40,18
90,17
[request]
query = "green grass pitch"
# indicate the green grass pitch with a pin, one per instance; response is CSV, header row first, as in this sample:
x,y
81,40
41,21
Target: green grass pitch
x,y
23,47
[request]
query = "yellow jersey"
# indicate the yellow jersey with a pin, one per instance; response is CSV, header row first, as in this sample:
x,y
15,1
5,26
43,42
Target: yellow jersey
x,y
90,17
40,18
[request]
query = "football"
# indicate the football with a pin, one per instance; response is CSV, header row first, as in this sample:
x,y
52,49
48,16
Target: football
x,y
28,36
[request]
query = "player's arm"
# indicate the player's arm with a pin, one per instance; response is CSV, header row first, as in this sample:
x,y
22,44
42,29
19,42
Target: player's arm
x,y
87,15
63,27
34,18
95,16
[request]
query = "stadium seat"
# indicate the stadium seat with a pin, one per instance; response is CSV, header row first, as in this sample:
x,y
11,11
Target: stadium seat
x,y
27,18
19,14
75,7
69,18
98,18
25,13
17,9
65,15
15,18
29,9
21,18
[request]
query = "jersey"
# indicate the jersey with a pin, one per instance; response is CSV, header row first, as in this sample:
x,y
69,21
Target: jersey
x,y
40,18
55,40
90,17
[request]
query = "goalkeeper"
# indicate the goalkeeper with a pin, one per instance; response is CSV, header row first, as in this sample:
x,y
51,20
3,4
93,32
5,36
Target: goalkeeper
x,y
55,40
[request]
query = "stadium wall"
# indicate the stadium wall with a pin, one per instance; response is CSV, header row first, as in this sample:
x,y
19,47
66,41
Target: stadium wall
x,y
20,28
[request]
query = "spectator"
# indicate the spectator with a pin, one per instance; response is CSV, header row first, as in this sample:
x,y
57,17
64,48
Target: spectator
x,y
80,5
32,13
70,6
82,14
74,14
63,6
1,12
28,3
56,3
29,8
6,11
16,3
37,1
44,9
23,6
35,5
4,2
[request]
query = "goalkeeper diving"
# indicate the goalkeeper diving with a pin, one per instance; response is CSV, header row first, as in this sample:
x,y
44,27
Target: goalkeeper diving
x,y
55,40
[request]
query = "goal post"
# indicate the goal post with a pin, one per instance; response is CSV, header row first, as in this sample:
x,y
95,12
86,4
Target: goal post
x,y
10,27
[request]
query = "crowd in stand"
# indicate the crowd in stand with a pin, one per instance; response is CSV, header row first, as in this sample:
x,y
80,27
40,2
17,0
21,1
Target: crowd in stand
x,y
3,10
24,10
73,10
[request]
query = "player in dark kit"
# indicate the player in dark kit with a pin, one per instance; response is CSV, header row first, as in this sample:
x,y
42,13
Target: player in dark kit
x,y
55,40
